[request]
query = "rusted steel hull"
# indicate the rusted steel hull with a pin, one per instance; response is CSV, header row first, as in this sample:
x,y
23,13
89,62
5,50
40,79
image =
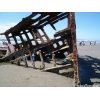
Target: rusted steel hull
x,y
64,40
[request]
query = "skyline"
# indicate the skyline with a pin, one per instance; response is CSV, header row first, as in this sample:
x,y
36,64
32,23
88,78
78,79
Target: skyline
x,y
87,24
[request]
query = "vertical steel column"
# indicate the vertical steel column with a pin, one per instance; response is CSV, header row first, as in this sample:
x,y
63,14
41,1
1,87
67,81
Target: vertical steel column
x,y
21,38
54,59
39,36
48,39
42,61
27,37
72,26
15,40
34,37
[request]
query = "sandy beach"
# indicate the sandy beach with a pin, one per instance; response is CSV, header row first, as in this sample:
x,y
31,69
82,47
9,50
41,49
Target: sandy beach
x,y
12,75
89,61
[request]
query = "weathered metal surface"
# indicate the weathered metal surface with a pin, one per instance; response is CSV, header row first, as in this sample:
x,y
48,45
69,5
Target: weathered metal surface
x,y
31,24
74,48
56,69
37,21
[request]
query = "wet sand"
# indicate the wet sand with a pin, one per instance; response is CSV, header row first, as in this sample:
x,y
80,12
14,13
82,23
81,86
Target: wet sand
x,y
89,61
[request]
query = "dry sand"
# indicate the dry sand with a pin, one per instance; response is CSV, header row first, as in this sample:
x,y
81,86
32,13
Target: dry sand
x,y
13,76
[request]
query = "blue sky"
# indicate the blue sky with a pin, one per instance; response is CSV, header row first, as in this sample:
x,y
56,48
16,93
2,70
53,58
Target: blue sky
x,y
88,24
10,17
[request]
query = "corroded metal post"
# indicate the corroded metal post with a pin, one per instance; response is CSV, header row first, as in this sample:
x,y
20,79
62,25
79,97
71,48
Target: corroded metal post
x,y
48,39
18,62
42,62
25,60
72,27
32,57
54,60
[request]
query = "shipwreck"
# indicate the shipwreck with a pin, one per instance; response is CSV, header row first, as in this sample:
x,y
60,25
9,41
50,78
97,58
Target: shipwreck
x,y
41,44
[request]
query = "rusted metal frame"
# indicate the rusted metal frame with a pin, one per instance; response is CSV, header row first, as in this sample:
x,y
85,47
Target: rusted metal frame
x,y
69,43
59,46
58,17
52,17
72,26
39,18
48,39
42,18
34,37
7,37
28,39
49,13
54,60
47,20
23,24
20,35
52,22
32,15
36,32
62,32
15,40
49,48
26,22
61,18
42,61
14,37
43,15
20,26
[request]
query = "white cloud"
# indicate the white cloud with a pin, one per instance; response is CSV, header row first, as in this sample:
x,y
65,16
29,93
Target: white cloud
x,y
6,26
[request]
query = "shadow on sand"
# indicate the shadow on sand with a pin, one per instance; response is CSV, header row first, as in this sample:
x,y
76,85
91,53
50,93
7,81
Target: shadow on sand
x,y
89,69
